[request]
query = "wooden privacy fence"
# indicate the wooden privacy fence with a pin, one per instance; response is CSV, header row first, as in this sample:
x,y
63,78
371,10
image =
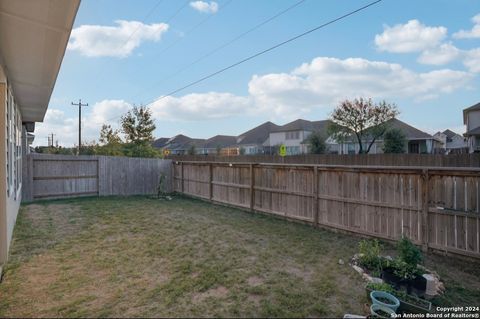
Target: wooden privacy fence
x,y
435,207
61,176
429,160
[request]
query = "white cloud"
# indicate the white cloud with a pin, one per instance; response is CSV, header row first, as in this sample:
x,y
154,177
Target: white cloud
x,y
65,127
203,106
472,60
473,33
410,37
321,83
325,81
443,54
205,7
114,41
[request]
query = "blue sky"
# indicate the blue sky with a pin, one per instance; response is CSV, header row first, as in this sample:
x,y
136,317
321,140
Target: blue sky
x,y
423,56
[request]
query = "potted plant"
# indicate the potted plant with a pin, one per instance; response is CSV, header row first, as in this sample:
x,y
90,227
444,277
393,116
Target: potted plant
x,y
408,303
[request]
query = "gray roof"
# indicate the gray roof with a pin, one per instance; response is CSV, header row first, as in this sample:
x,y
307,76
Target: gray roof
x,y
220,141
160,142
183,142
304,125
257,135
410,132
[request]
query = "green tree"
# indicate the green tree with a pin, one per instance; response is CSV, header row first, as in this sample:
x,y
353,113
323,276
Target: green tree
x,y
316,143
219,149
394,141
242,151
362,119
138,127
110,142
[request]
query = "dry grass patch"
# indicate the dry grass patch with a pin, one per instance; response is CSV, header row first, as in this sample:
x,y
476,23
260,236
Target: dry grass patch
x,y
126,257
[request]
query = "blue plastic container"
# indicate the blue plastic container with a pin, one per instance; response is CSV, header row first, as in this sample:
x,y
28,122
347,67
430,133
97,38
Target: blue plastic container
x,y
374,310
393,304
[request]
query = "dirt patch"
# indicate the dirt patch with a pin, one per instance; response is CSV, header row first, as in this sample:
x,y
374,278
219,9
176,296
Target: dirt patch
x,y
255,281
304,273
217,293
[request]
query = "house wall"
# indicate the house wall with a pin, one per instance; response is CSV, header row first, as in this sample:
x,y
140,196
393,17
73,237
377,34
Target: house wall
x,y
11,166
457,142
294,146
473,120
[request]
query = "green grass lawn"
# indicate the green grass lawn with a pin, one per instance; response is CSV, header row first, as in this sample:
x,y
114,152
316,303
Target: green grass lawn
x,y
135,256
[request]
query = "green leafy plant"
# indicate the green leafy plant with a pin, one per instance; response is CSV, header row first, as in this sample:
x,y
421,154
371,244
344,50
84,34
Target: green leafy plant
x,y
370,258
381,287
409,253
404,270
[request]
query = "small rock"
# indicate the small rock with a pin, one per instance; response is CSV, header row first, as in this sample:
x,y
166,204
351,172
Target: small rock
x,y
358,269
367,277
376,280
341,262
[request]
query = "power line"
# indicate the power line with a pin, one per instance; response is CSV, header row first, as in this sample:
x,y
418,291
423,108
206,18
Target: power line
x,y
265,51
208,54
261,52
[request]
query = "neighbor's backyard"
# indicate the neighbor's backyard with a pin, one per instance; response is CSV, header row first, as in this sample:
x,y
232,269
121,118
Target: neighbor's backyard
x,y
137,256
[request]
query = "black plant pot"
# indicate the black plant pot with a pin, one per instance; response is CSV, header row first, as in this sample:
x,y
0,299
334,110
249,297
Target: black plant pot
x,y
389,276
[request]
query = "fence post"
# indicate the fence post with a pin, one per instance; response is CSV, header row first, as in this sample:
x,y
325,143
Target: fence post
x,y
181,177
30,173
315,190
425,200
210,181
252,188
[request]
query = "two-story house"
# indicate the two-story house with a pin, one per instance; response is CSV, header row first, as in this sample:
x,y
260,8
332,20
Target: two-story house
x,y
294,135
33,40
451,142
471,118
256,140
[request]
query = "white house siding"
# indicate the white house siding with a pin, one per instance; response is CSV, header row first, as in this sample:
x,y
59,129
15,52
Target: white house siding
x,y
473,120
294,145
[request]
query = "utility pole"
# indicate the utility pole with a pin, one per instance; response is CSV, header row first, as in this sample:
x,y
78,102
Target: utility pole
x,y
50,140
79,104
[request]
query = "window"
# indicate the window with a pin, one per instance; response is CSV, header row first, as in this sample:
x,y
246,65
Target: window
x,y
414,148
292,135
293,150
13,145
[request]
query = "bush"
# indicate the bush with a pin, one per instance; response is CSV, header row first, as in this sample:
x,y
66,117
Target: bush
x,y
370,255
394,141
409,253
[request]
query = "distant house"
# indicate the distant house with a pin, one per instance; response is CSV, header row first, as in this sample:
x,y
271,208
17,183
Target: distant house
x,y
160,142
452,142
471,118
294,135
181,144
217,143
257,140
418,142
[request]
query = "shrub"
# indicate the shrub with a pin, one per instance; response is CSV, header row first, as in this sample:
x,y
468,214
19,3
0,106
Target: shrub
x,y
370,255
409,253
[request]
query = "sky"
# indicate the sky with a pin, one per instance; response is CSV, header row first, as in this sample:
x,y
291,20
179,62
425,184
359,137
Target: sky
x,y
423,56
